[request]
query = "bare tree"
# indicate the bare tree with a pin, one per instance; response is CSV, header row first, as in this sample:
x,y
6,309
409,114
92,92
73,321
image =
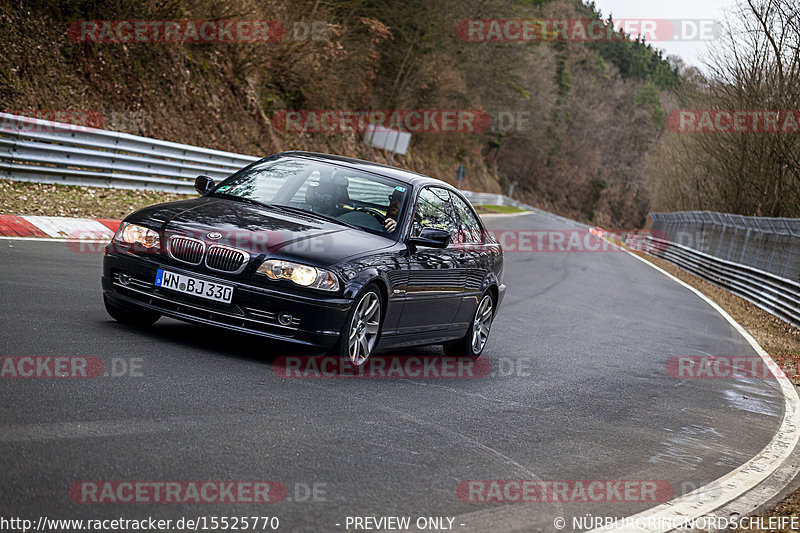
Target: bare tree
x,y
755,67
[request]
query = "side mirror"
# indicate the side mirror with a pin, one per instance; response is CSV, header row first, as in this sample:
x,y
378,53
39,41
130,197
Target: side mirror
x,y
203,184
431,238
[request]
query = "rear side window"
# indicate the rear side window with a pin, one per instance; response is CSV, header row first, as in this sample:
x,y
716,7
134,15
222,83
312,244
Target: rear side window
x,y
469,228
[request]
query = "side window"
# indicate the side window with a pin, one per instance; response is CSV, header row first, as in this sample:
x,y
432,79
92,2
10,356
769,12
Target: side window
x,y
470,228
368,191
434,210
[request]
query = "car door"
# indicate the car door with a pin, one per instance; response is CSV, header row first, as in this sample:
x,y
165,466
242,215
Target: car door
x,y
436,279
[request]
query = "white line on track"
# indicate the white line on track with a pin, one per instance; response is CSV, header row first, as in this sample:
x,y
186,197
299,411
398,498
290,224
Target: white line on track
x,y
682,510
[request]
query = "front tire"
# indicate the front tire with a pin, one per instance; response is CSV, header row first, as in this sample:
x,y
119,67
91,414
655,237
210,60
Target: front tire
x,y
474,341
132,316
362,328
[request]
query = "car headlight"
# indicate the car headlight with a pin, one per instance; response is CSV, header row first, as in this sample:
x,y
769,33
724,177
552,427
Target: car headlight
x,y
303,275
135,234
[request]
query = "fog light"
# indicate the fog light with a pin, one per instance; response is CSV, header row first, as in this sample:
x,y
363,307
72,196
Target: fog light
x,y
285,318
124,278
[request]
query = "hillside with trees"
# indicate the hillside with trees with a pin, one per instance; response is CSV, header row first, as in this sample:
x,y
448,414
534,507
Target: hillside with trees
x,y
575,124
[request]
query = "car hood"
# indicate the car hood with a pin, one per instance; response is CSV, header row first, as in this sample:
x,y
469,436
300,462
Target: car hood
x,y
260,230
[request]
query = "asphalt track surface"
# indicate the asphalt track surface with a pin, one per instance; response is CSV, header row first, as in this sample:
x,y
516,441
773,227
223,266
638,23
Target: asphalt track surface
x,y
578,391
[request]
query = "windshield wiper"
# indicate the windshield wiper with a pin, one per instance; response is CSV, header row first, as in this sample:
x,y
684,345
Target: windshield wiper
x,y
240,199
280,207
301,211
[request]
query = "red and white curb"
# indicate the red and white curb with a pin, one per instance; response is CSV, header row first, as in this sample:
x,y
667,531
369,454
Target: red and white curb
x,y
39,227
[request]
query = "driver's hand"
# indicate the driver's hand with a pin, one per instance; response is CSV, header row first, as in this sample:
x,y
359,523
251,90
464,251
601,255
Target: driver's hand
x,y
390,224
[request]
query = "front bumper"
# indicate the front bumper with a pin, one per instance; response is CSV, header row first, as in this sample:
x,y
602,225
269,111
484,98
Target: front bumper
x,y
316,322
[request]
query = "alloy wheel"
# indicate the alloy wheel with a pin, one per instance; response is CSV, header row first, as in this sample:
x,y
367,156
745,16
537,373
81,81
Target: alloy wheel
x,y
482,324
364,328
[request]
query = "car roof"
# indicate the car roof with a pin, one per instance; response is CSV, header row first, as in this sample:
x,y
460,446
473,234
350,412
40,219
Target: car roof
x,y
406,176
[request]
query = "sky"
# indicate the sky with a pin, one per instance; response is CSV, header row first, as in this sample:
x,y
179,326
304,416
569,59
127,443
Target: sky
x,y
692,51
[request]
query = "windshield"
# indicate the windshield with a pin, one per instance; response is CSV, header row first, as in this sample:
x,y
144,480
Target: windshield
x,y
370,202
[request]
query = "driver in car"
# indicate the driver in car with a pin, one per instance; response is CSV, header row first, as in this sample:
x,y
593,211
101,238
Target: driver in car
x,y
395,203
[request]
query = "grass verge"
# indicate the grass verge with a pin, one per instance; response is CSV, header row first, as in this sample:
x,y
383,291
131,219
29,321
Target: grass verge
x,y
23,198
504,209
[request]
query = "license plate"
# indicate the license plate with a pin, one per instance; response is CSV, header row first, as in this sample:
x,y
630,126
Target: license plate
x,y
194,286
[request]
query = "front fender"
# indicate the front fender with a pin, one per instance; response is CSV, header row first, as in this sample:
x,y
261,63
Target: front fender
x,y
361,280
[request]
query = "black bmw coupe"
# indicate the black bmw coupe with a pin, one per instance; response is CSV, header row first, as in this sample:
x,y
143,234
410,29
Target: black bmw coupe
x,y
328,252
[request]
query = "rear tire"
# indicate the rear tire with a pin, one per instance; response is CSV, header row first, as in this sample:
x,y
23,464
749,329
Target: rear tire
x,y
138,317
362,329
474,341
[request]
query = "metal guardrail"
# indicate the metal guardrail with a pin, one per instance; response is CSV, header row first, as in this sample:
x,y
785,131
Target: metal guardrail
x,y
53,152
767,244
487,198
749,256
43,151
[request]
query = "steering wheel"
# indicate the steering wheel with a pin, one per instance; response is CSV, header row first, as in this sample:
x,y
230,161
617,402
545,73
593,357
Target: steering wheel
x,y
362,219
372,211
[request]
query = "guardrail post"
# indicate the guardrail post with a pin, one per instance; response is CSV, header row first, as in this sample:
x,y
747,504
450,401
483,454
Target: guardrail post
x,y
10,127
793,227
